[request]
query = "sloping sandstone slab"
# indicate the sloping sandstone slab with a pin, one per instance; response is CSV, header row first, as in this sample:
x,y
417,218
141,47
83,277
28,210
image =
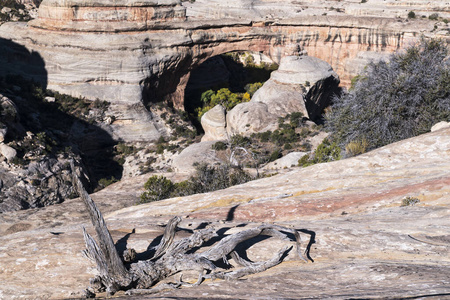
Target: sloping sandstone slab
x,y
362,242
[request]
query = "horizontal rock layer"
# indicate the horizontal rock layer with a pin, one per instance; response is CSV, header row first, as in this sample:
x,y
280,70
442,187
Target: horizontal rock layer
x,y
104,16
129,54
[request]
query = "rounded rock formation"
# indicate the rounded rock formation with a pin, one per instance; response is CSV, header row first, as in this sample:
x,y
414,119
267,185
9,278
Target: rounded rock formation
x,y
301,84
214,124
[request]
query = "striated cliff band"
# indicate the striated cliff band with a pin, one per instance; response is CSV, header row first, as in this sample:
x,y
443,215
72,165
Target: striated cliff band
x,y
132,53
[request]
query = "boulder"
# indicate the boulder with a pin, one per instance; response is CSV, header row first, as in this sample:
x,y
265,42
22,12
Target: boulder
x,y
281,99
316,77
250,117
440,125
195,153
214,124
8,152
301,84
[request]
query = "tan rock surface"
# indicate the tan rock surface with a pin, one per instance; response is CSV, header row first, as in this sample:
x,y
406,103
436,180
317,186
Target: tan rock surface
x,y
194,154
349,211
131,53
214,124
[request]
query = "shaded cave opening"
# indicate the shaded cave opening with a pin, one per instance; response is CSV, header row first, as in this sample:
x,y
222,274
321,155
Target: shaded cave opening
x,y
226,79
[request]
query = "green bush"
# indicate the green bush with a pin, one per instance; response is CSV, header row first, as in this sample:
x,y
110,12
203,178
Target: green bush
x,y
238,140
411,15
104,182
157,188
326,152
434,16
219,146
295,119
206,179
409,201
395,99
223,97
276,154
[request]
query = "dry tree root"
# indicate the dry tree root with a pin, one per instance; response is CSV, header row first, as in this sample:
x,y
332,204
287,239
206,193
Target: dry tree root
x,y
170,256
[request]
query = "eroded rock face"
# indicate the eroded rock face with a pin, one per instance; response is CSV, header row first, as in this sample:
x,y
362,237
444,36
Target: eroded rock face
x,y
348,211
80,15
301,84
41,183
131,52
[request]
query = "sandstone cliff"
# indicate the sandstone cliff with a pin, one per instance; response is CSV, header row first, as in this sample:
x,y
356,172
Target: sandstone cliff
x,y
349,213
134,54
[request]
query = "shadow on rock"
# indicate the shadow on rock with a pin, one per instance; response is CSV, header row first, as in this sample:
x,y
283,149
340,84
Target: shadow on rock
x,y
42,130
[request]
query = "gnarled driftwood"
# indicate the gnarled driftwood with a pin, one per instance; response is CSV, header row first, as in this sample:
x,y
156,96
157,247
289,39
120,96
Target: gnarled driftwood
x,y
170,257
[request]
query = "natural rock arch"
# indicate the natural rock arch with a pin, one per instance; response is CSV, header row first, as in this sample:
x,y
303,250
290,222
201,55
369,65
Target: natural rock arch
x,y
177,94
131,53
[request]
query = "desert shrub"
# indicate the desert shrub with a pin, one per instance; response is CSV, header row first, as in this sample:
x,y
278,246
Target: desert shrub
x,y
122,148
434,16
395,99
224,97
251,88
305,161
409,201
264,136
219,146
206,179
104,182
238,140
276,154
46,142
356,147
157,188
411,15
284,136
295,119
327,151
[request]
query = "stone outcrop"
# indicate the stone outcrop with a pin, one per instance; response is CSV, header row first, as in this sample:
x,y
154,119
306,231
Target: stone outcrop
x,y
247,118
136,53
107,15
214,124
288,161
301,84
349,213
41,183
7,152
198,153
440,125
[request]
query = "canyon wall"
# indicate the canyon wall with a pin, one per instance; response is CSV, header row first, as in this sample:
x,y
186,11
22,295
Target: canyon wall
x,y
132,53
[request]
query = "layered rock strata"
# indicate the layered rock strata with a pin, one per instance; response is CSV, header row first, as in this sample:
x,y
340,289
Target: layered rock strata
x,y
133,53
107,16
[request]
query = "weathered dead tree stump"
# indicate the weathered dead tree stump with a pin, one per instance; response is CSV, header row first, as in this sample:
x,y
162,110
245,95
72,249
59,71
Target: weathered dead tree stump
x,y
170,257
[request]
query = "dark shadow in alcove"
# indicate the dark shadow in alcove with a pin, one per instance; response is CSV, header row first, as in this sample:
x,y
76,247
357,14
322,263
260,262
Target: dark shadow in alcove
x,y
24,79
18,60
220,71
